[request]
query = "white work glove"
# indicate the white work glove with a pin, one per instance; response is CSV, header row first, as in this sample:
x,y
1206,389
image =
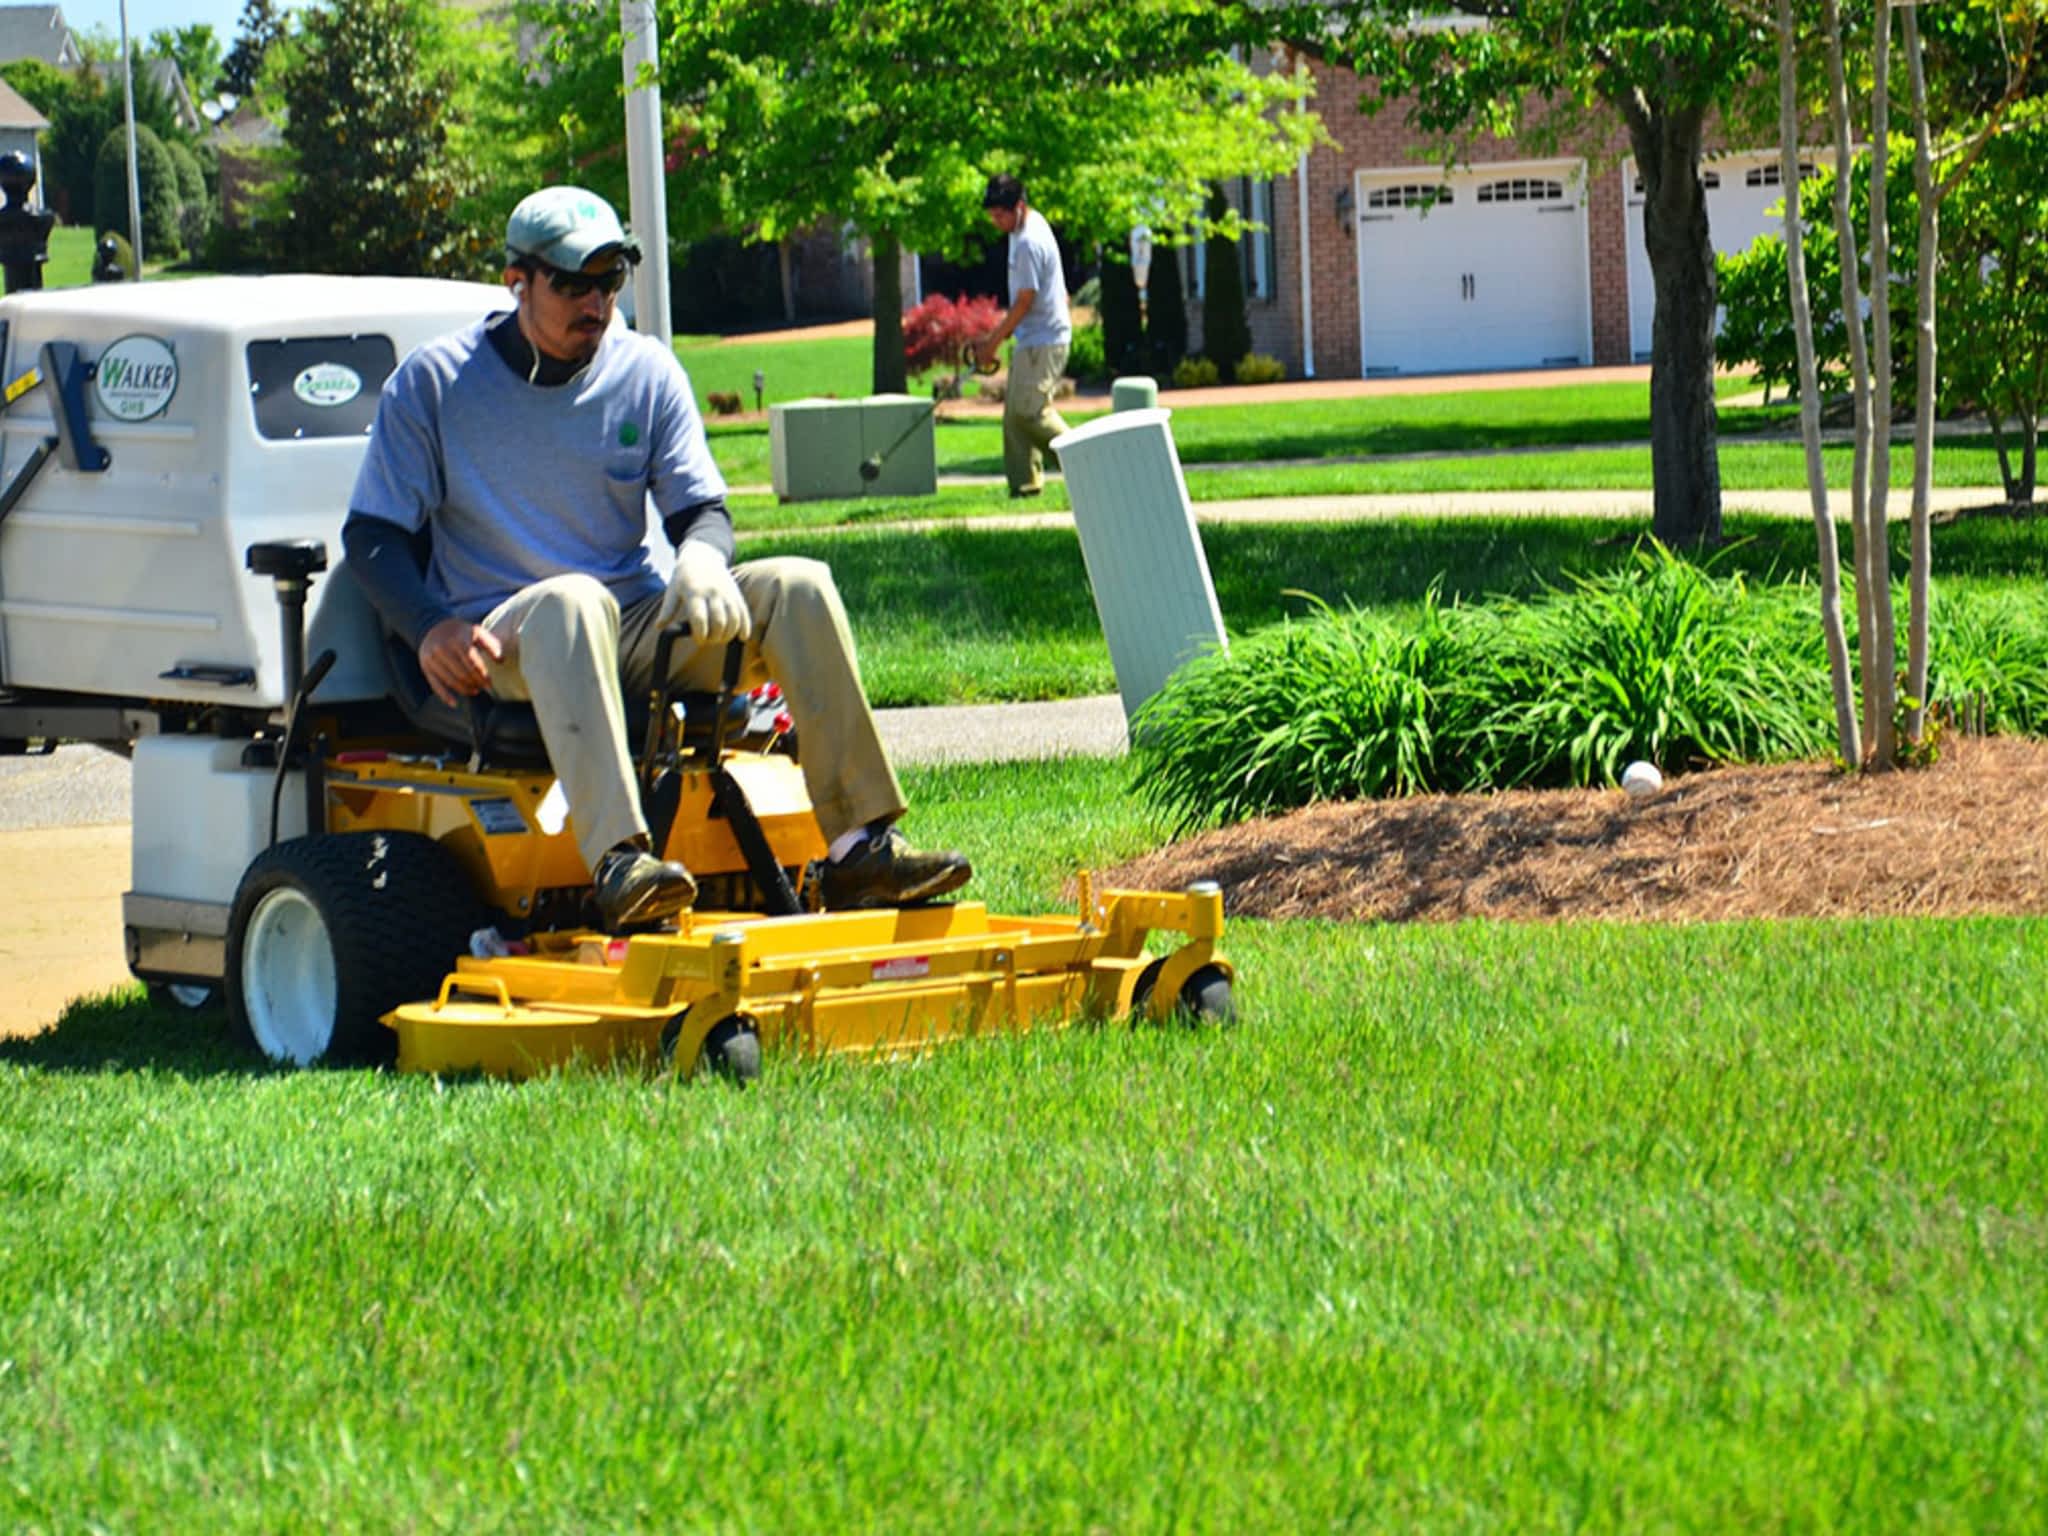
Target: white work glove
x,y
702,594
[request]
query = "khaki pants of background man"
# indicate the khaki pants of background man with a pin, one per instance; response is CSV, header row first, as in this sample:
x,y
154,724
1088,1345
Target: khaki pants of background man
x,y
565,636
1029,421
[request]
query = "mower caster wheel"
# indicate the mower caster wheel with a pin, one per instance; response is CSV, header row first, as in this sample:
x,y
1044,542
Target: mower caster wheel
x,y
1204,997
187,996
731,1051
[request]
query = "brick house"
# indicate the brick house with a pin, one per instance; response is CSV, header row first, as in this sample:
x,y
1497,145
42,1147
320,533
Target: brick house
x,y
1513,259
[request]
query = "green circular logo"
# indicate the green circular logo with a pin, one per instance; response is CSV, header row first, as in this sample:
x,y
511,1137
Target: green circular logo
x,y
629,434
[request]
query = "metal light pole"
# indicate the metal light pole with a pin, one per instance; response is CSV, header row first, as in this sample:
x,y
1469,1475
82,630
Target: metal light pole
x,y
648,209
134,177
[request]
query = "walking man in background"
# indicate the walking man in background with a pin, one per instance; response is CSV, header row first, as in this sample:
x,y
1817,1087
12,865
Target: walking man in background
x,y
1038,319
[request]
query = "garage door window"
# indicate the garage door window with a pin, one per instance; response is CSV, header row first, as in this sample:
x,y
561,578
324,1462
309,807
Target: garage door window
x,y
1522,189
1411,196
1771,174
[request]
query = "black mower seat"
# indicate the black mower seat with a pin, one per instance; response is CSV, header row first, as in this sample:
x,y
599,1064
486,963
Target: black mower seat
x,y
504,733
496,731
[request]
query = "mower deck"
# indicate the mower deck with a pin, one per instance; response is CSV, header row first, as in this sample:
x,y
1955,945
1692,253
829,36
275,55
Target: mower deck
x,y
866,983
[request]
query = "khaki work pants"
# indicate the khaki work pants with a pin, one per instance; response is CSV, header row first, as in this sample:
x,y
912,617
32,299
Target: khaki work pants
x,y
1029,421
572,653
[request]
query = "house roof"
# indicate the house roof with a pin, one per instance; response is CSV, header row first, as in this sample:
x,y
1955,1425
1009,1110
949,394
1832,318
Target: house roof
x,y
35,32
15,111
165,75
247,128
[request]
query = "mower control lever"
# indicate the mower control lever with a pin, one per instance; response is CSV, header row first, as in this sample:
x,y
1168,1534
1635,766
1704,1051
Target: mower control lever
x,y
295,714
657,704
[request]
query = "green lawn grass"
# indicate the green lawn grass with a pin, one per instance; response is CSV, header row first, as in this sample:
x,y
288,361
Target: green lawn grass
x,y
1474,1226
1968,461
1561,415
70,263
832,365
963,613
1745,467
1507,440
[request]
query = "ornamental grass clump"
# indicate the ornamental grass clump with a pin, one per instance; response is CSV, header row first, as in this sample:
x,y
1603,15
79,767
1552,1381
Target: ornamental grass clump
x,y
1659,660
1989,662
1335,706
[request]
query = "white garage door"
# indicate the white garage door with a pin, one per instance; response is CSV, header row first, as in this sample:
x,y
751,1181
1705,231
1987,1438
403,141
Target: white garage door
x,y
1743,193
1476,270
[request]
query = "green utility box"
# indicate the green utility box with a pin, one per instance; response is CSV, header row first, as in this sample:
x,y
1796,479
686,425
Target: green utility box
x,y
881,445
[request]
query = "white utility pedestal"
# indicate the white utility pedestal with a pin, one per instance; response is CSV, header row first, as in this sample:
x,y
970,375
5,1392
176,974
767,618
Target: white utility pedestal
x,y
1144,554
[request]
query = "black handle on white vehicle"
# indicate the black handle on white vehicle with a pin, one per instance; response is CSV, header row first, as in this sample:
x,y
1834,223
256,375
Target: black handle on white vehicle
x,y
316,782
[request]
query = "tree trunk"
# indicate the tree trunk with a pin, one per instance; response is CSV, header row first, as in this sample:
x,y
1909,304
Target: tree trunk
x,y
2005,474
1920,577
1866,559
1881,657
891,373
1848,739
1684,459
2030,458
785,262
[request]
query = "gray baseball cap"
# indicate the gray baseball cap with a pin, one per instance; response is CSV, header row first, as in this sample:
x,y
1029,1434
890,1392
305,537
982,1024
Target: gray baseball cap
x,y
565,227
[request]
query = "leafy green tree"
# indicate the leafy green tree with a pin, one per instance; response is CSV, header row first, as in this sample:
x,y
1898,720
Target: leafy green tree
x,y
373,187
1992,295
196,50
157,181
82,107
195,205
262,27
1226,334
1662,68
1991,290
80,113
890,115
43,86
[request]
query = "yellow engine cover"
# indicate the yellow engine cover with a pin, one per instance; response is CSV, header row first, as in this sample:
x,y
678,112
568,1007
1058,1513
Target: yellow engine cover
x,y
703,843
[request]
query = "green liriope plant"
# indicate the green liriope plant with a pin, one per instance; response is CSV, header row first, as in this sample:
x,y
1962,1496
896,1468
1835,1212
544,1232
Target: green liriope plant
x,y
1333,706
1989,661
1660,659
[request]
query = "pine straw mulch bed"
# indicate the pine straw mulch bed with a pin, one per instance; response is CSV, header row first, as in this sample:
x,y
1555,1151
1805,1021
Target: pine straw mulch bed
x,y
1969,834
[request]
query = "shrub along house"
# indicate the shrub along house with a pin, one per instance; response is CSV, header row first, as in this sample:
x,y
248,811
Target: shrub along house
x,y
1375,261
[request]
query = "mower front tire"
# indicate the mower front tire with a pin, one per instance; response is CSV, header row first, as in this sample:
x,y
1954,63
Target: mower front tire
x,y
329,933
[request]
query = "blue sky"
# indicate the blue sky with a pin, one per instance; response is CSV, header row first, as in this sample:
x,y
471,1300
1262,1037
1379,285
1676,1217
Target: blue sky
x,y
146,16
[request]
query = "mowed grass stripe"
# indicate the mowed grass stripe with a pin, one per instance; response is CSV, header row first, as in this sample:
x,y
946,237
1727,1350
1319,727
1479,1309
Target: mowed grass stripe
x,y
1465,1225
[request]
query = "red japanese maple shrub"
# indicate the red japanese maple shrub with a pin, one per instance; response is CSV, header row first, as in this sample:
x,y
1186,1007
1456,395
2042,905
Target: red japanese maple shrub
x,y
941,333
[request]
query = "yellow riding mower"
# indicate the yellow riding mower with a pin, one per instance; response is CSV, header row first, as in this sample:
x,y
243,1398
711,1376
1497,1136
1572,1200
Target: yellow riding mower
x,y
362,872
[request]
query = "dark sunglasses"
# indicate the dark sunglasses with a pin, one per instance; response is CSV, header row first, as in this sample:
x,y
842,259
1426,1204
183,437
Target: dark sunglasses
x,y
577,285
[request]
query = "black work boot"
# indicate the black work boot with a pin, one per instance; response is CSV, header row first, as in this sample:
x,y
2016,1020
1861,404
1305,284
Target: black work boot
x,y
886,871
634,887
